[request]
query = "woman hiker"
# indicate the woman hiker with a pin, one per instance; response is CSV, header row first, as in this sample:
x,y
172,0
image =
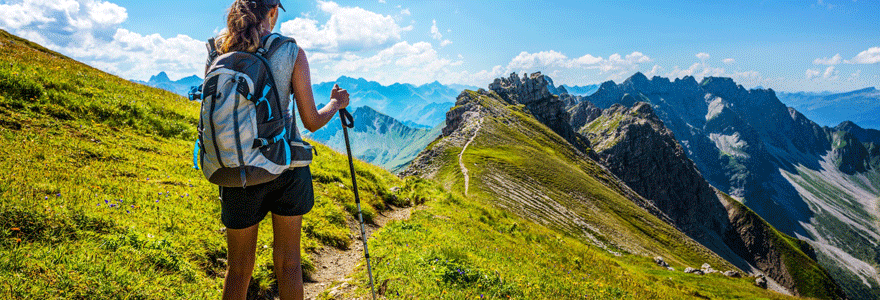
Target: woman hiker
x,y
290,195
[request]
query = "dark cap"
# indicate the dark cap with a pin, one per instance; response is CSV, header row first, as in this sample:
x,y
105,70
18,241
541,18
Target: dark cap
x,y
271,3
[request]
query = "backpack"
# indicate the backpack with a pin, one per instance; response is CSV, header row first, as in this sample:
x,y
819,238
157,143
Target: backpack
x,y
243,138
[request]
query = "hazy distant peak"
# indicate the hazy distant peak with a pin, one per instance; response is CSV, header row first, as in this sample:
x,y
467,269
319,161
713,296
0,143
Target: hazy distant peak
x,y
161,77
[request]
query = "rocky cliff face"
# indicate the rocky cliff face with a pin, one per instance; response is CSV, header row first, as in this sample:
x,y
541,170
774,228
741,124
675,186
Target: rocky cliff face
x,y
534,93
808,181
582,113
634,144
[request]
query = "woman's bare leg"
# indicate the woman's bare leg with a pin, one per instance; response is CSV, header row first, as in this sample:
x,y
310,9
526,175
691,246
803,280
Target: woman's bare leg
x,y
241,254
286,231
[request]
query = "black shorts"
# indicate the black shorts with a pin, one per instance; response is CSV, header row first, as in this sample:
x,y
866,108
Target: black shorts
x,y
290,194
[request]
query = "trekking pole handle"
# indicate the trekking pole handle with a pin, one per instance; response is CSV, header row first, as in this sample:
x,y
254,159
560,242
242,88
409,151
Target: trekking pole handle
x,y
347,119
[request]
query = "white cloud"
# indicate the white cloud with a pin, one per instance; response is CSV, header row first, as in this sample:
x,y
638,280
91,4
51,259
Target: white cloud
x,y
702,56
836,59
402,62
812,73
88,30
405,12
654,71
543,60
728,61
870,56
830,73
435,34
348,29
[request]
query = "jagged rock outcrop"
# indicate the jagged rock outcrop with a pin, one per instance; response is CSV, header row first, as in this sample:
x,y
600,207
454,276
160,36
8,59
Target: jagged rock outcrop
x,y
534,93
638,148
582,113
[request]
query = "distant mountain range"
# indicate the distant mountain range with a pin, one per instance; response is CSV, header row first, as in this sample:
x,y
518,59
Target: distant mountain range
x,y
180,86
377,138
423,105
581,90
829,109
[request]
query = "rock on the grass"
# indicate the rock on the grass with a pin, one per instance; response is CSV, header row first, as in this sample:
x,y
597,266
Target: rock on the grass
x,y
660,262
693,271
761,282
707,269
731,273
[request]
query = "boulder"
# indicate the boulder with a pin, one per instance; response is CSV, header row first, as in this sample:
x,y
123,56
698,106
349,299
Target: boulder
x,y
707,269
693,271
731,273
761,282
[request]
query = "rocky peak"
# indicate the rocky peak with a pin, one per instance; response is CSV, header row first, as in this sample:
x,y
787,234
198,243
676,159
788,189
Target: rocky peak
x,y
533,92
637,81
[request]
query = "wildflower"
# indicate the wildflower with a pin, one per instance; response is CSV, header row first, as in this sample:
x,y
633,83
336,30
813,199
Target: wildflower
x,y
16,229
160,193
157,200
58,195
128,212
18,241
106,201
46,198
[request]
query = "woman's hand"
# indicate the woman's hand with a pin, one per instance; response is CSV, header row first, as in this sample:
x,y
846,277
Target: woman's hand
x,y
340,96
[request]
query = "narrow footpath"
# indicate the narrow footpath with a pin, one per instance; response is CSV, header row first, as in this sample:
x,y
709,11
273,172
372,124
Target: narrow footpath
x,y
334,266
464,170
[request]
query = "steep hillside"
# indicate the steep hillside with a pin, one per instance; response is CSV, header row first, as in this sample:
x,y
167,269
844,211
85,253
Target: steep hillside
x,y
101,202
377,138
99,198
827,109
811,182
635,145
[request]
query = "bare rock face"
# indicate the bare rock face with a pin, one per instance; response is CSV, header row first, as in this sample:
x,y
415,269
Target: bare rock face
x,y
534,93
731,273
582,113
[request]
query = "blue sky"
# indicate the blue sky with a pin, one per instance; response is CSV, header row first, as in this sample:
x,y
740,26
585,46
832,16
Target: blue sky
x,y
785,45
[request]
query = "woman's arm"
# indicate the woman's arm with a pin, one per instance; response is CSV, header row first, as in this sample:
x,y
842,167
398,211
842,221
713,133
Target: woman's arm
x,y
301,82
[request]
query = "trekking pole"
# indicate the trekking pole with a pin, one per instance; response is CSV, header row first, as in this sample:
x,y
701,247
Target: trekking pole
x,y
348,122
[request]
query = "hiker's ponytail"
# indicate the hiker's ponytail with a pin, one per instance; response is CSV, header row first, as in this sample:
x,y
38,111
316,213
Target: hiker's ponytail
x,y
244,26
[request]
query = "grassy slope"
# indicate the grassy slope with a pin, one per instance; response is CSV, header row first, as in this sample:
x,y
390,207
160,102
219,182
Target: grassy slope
x,y
60,239
76,140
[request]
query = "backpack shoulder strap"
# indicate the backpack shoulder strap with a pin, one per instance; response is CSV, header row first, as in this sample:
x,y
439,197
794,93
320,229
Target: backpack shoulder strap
x,y
272,43
212,53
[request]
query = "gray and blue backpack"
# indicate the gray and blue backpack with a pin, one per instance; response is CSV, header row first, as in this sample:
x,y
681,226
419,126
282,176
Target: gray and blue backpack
x,y
244,139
